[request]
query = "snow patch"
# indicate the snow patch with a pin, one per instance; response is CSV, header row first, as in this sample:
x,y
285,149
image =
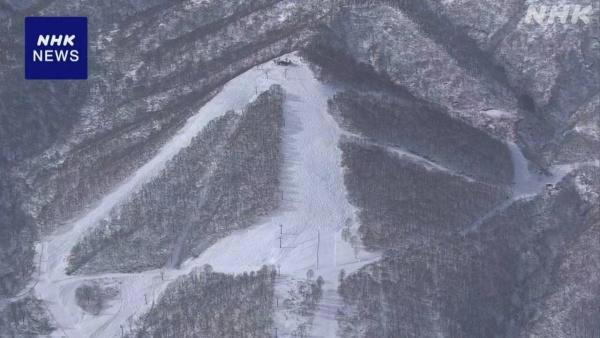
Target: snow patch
x,y
496,113
590,129
132,72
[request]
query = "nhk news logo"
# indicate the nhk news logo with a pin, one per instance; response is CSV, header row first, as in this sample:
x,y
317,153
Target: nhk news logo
x,y
56,48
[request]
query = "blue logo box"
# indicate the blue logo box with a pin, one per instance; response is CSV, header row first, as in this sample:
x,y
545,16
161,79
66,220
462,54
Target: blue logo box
x,y
56,48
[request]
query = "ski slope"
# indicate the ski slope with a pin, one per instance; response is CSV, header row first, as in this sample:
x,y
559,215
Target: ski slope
x,y
315,205
308,225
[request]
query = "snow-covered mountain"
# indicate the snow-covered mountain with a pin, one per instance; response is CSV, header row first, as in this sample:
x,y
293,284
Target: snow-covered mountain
x,y
278,168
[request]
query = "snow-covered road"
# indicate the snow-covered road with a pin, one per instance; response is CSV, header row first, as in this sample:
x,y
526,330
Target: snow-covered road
x,y
315,210
527,183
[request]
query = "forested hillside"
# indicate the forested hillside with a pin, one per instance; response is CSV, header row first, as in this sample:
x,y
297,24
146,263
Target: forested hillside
x,y
212,304
226,179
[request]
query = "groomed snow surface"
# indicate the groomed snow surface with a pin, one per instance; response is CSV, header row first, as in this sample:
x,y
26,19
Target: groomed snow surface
x,y
310,221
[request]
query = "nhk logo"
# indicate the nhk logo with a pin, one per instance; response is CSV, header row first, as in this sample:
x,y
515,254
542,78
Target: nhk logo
x,y
50,55
56,48
562,13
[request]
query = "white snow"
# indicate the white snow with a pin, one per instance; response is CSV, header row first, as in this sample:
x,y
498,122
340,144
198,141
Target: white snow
x,y
286,9
283,16
313,214
589,129
427,164
497,113
131,73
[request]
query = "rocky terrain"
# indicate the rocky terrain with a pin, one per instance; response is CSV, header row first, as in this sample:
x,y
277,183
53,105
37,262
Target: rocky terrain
x,y
469,151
